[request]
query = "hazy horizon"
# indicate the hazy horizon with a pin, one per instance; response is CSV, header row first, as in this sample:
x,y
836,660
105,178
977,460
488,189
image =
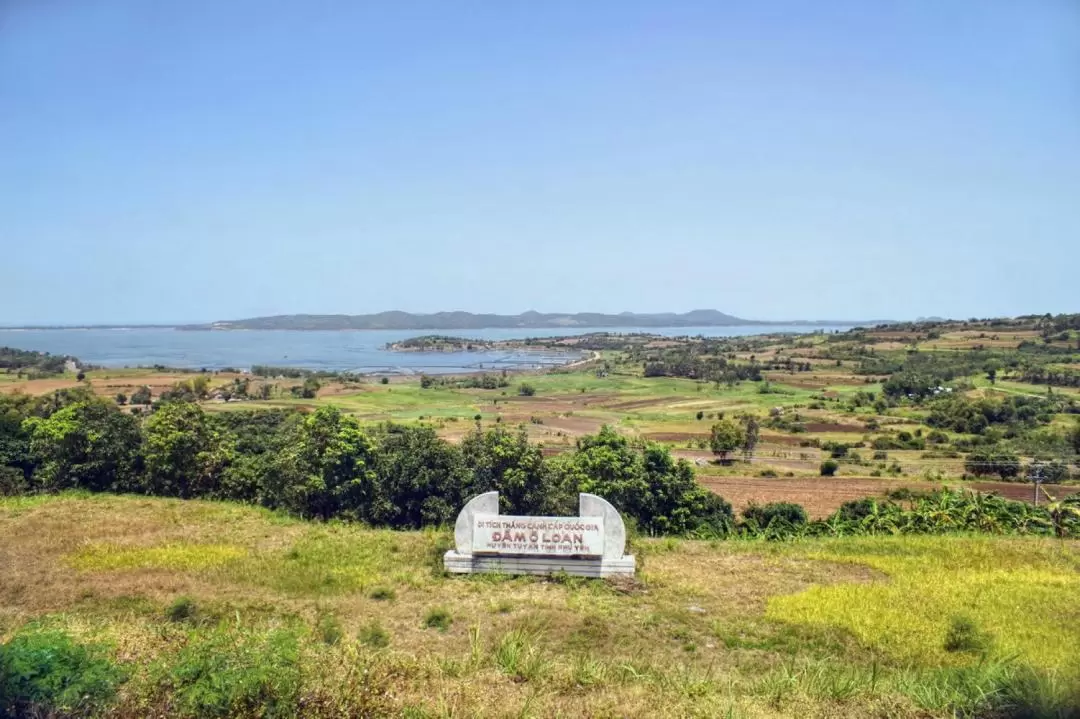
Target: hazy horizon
x,y
785,320
202,161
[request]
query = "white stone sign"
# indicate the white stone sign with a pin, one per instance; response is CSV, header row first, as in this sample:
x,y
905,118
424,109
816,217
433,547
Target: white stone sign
x,y
560,536
588,545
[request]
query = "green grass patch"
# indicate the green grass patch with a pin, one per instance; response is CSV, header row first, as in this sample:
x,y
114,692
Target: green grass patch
x,y
48,673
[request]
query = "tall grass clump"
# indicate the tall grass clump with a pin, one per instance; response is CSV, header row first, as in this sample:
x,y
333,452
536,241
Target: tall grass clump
x,y
223,673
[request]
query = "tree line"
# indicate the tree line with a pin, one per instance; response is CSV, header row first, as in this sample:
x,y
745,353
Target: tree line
x,y
325,464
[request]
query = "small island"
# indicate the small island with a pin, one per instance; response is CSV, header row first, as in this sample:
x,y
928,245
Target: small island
x,y
441,343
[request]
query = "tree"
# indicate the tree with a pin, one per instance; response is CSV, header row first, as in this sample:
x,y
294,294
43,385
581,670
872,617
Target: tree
x,y
311,388
200,386
646,484
324,467
80,376
726,436
750,440
121,398
984,462
141,396
507,462
421,479
606,464
526,390
185,454
426,381
87,445
1052,472
14,434
829,467
384,380
700,414
991,374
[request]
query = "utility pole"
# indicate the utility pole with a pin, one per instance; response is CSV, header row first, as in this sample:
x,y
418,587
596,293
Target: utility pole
x,y
1037,478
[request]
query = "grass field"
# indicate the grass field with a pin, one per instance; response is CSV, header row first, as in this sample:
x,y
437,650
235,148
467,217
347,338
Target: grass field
x,y
328,619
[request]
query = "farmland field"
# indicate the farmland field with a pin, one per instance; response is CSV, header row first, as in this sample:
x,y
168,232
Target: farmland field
x,y
208,607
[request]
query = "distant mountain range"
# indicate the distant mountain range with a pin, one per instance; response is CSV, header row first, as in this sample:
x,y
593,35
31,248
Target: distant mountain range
x,y
468,321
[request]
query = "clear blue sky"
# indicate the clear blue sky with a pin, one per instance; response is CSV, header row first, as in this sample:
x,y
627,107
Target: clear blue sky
x,y
200,159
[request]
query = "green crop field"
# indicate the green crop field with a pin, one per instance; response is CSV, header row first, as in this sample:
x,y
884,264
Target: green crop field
x,y
208,609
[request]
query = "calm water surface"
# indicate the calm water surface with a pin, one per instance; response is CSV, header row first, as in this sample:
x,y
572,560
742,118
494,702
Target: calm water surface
x,y
354,351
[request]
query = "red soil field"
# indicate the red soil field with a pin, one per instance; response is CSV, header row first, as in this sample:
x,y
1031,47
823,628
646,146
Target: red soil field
x,y
821,496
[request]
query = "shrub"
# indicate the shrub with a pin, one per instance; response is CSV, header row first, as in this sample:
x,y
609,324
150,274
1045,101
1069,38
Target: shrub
x,y
963,635
181,609
526,390
383,594
328,629
855,509
881,454
221,674
47,673
700,414
384,380
12,482
372,634
438,618
764,515
829,467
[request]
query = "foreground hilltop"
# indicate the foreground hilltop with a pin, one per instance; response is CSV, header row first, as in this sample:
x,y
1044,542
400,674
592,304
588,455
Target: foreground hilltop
x,y
396,320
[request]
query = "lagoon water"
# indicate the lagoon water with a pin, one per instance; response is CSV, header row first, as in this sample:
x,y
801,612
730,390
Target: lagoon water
x,y
354,351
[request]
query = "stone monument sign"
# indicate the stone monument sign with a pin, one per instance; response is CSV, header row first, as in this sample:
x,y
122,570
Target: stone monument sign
x,y
588,545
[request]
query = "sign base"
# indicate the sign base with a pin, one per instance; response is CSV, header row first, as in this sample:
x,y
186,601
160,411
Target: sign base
x,y
596,567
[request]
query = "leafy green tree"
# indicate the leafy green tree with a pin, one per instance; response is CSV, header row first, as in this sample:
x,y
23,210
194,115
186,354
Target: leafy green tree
x,y
646,484
426,381
507,462
184,452
676,503
751,436
726,437
984,462
14,436
141,396
324,467
606,464
121,399
421,479
87,445
526,390
829,467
